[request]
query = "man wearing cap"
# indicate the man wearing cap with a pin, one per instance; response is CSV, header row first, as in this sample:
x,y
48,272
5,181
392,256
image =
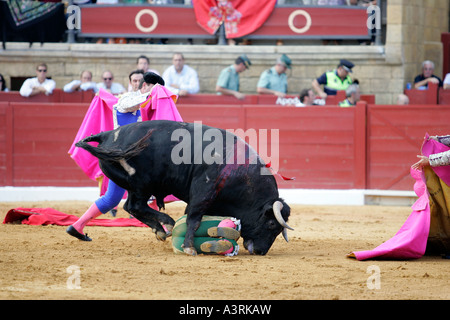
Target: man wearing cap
x,y
335,80
274,80
228,81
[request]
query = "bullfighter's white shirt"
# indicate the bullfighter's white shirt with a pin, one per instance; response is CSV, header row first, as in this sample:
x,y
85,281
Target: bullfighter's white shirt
x,y
30,83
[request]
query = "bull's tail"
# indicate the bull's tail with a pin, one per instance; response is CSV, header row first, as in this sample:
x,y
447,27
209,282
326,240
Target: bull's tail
x,y
115,153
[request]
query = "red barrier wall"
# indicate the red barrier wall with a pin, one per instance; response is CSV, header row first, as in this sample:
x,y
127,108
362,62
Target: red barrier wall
x,y
58,95
327,147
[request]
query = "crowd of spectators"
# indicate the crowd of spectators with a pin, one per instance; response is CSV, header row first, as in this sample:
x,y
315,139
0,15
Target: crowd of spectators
x,y
183,80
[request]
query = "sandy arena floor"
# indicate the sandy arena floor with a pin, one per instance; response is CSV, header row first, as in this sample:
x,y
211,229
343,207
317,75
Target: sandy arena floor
x,y
129,263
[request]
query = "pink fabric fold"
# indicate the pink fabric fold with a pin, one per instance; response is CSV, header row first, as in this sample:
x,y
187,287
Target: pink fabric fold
x,y
99,117
432,147
410,241
160,105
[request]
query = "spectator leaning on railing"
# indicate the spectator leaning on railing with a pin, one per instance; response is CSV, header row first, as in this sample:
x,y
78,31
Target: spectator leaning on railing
x,y
38,84
427,76
85,83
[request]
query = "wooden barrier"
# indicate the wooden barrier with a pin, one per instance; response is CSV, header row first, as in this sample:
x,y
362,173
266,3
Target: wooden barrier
x,y
444,97
394,137
175,21
427,96
58,95
38,137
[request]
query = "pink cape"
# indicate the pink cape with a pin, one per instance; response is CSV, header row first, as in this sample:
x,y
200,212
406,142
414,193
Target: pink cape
x,y
410,241
47,216
99,118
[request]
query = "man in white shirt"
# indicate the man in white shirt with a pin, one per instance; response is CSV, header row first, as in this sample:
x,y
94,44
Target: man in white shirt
x,y
447,82
39,84
85,83
180,78
110,86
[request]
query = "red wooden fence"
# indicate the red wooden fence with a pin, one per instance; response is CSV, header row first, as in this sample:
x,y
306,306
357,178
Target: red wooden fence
x,y
368,146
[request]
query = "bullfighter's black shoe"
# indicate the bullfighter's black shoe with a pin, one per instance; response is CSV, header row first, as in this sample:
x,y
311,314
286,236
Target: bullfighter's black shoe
x,y
74,233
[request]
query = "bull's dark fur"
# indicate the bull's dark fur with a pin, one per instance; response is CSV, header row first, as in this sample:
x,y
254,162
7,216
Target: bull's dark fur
x,y
238,190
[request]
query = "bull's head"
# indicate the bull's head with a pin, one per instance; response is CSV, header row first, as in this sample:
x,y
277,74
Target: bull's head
x,y
259,235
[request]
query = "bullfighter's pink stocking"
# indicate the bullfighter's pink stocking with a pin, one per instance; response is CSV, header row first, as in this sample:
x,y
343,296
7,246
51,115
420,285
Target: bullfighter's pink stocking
x,y
90,214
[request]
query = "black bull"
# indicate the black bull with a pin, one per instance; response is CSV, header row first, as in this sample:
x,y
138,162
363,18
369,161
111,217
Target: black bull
x,y
163,158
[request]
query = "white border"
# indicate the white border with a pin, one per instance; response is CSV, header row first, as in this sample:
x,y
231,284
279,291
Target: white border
x,y
291,196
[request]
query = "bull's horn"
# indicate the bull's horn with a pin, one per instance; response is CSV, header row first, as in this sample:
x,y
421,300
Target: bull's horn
x,y
277,206
285,235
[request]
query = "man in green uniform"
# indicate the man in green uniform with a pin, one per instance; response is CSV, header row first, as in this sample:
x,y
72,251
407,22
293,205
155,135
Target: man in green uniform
x,y
274,80
228,81
335,80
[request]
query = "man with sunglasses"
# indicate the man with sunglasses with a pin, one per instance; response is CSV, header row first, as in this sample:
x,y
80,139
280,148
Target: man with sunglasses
x,y
38,84
112,87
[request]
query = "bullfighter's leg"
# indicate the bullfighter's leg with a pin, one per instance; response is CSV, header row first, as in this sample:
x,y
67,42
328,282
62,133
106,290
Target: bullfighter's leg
x,y
103,205
137,206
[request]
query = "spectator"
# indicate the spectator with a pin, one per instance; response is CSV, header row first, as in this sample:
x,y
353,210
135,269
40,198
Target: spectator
x,y
306,98
180,78
109,85
427,76
85,83
353,95
228,81
3,86
335,80
447,82
143,63
135,78
274,80
402,100
38,84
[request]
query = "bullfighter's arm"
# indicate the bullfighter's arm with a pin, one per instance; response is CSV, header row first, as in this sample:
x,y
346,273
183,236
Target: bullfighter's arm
x,y
444,140
440,159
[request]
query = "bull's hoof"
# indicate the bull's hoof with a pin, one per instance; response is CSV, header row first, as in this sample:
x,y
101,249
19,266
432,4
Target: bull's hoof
x,y
190,251
161,236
